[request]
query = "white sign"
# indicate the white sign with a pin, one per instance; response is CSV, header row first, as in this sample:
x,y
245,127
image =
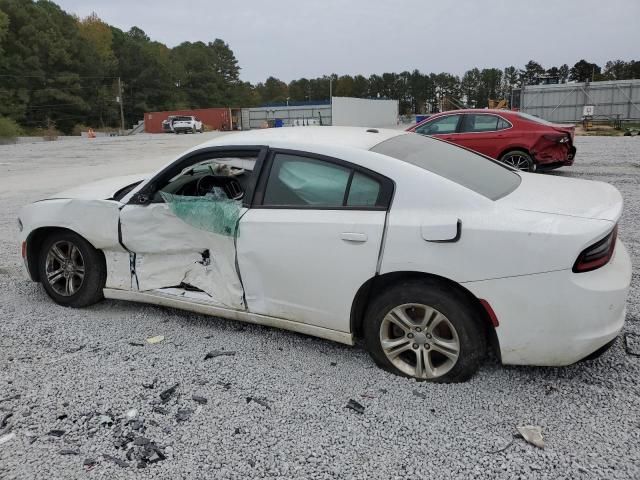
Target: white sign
x,y
588,110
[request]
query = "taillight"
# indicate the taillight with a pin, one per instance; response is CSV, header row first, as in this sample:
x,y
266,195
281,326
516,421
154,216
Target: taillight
x,y
597,254
557,138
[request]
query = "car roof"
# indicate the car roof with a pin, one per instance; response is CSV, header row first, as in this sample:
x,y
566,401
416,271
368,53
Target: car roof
x,y
361,138
496,111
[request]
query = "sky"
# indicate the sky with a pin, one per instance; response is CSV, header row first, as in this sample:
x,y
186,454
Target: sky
x,y
290,39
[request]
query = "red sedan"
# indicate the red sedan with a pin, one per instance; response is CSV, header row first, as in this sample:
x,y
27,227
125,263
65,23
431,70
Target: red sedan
x,y
522,141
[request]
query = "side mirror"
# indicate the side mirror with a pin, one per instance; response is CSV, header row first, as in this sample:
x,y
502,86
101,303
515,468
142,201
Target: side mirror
x,y
144,196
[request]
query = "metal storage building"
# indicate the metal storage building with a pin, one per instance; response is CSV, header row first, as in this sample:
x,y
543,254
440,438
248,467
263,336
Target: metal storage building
x,y
286,115
346,111
615,100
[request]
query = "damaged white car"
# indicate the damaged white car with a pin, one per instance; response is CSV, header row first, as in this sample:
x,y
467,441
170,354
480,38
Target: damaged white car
x,y
428,252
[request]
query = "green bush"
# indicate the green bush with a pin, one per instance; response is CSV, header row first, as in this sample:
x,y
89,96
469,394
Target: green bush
x,y
9,129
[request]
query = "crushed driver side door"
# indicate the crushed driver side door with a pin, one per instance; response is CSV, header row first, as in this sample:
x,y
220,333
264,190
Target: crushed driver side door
x,y
178,244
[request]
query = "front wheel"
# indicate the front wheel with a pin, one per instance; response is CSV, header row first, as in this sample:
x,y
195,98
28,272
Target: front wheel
x,y
519,160
425,330
72,272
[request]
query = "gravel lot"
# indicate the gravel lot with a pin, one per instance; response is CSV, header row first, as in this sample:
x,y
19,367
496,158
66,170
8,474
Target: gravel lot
x,y
276,408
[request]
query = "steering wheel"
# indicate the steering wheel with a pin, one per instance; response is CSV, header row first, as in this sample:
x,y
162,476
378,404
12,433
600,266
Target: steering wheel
x,y
232,187
205,185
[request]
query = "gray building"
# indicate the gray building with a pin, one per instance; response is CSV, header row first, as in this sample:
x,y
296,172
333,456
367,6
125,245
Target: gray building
x,y
610,100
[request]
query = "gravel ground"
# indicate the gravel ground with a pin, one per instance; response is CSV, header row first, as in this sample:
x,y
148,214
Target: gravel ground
x,y
277,408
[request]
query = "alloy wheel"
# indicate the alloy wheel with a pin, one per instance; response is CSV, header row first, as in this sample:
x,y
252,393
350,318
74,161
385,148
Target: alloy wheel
x,y
419,341
519,162
64,268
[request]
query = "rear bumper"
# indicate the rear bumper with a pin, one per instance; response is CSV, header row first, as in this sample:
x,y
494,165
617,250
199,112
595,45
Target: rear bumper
x,y
558,318
555,157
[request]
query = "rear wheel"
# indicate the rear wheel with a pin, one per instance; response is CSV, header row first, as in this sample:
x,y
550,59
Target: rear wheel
x,y
71,270
425,330
519,160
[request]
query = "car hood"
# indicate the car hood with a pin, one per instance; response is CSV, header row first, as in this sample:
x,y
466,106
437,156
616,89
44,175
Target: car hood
x,y
102,189
566,196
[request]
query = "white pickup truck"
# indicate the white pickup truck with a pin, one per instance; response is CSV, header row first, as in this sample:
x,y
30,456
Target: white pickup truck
x,y
187,124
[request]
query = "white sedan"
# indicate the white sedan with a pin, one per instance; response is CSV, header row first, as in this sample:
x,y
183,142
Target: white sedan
x,y
430,253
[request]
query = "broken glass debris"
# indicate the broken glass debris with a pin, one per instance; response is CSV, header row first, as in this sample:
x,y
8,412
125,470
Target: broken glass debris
x,y
210,213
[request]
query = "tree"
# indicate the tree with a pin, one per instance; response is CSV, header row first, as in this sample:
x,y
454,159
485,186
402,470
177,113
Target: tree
x,y
584,71
273,91
4,27
510,80
563,71
98,37
360,86
618,70
344,86
531,73
469,86
299,90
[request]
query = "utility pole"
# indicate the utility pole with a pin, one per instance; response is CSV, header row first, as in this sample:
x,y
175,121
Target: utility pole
x,y
121,108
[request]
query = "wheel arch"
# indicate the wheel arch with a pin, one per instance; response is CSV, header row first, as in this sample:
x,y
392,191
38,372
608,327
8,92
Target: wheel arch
x,y
34,244
376,284
516,148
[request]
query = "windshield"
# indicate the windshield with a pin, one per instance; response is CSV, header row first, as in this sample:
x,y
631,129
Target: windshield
x,y
475,172
182,119
533,118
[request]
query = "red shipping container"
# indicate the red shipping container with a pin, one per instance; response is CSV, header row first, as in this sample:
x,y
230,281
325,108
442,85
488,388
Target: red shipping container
x,y
213,118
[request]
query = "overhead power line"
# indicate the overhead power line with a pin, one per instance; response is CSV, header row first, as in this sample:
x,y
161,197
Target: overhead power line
x,y
70,75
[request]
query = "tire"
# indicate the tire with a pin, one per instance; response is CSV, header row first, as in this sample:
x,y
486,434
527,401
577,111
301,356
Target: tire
x,y
71,286
438,315
520,160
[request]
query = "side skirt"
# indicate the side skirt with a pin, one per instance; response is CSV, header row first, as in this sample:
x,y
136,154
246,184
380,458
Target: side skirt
x,y
167,300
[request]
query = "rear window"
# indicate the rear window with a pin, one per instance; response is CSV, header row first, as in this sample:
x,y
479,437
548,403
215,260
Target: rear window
x,y
475,172
533,118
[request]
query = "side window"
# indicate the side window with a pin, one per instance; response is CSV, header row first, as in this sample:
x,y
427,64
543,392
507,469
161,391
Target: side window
x,y
305,182
363,192
480,123
502,124
439,125
301,181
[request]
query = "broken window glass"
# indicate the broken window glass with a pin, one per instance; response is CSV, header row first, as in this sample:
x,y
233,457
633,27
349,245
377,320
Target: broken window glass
x,y
213,212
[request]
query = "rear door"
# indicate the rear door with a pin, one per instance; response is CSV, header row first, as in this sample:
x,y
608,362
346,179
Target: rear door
x,y
484,133
312,238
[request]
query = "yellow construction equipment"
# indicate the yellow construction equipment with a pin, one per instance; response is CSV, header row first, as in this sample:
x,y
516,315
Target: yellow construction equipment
x,y
498,104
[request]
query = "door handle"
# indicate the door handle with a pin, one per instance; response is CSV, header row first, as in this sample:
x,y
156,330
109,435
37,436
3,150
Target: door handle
x,y
353,237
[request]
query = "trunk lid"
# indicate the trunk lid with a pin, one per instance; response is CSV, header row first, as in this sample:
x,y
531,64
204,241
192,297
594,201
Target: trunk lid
x,y
566,196
569,129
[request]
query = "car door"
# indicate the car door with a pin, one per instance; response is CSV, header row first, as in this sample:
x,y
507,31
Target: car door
x,y
483,133
445,127
312,238
183,242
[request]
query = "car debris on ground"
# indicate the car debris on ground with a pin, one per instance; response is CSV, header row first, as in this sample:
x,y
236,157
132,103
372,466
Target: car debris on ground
x,y
355,406
218,353
532,434
156,339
